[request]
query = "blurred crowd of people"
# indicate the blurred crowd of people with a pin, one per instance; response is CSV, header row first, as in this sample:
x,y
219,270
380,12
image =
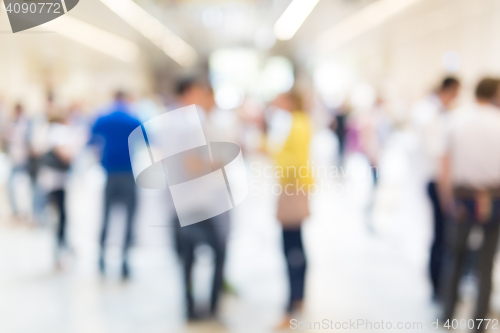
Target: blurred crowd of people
x,y
458,152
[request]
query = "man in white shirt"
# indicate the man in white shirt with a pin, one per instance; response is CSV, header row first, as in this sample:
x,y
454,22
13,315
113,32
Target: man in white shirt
x,y
428,117
469,185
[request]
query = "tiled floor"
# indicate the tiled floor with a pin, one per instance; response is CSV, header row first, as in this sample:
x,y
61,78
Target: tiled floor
x,y
361,266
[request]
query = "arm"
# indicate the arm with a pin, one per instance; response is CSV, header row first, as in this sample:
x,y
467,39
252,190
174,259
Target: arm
x,y
95,141
95,133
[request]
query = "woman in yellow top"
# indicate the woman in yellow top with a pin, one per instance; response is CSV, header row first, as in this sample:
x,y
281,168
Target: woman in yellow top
x,y
293,204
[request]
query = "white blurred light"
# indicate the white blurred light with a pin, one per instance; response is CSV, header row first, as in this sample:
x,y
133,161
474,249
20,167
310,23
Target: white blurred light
x,y
229,97
363,96
452,61
95,38
293,17
212,17
334,101
332,80
264,39
276,77
151,28
238,66
360,22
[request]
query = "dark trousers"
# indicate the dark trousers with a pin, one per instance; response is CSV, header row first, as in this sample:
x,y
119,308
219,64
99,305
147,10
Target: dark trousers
x,y
187,239
58,199
296,263
120,188
458,232
438,244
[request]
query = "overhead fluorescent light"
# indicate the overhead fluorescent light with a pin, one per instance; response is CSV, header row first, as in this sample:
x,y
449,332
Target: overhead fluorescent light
x,y
292,18
361,22
154,30
98,39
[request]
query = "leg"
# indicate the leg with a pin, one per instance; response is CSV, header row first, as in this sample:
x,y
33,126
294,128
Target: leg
x,y
11,190
458,233
108,200
340,152
370,206
131,203
438,248
373,167
219,250
296,262
39,201
174,222
59,199
187,255
484,269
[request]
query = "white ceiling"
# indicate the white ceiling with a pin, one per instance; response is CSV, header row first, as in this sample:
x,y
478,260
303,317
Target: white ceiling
x,y
235,23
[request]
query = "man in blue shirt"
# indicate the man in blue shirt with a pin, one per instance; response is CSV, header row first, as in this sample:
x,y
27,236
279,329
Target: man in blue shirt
x,y
110,134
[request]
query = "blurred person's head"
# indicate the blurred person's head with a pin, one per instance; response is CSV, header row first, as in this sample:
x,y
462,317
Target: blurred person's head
x,y
194,90
50,99
59,116
290,101
448,91
487,91
120,96
18,110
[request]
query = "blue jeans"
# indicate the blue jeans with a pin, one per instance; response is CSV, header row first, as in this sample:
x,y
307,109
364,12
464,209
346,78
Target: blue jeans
x,y
120,188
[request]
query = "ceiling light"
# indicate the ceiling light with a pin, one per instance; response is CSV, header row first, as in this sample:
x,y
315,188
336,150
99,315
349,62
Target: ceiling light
x,y
98,39
292,18
154,30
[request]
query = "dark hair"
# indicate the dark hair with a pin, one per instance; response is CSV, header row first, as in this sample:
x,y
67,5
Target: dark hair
x,y
185,83
487,88
449,83
120,95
